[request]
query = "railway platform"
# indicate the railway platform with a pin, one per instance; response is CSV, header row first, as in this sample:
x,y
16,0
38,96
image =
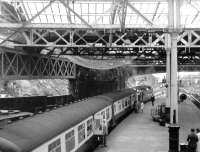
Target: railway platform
x,y
189,117
139,133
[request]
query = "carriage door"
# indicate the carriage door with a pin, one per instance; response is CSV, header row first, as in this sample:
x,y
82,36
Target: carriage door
x,y
138,97
98,124
131,101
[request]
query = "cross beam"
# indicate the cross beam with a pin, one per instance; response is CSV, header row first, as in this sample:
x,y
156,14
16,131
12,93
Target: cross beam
x,y
19,65
101,38
140,14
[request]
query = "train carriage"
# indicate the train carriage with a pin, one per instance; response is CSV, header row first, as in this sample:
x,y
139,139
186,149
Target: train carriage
x,y
123,103
71,128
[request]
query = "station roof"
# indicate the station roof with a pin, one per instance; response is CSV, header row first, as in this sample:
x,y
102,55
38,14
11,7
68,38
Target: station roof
x,y
139,13
51,21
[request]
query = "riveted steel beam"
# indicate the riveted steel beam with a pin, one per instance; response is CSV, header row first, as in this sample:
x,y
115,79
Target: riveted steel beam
x,y
101,38
18,65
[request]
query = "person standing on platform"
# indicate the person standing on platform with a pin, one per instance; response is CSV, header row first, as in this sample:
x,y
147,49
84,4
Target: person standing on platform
x,y
152,100
105,132
198,144
192,141
141,107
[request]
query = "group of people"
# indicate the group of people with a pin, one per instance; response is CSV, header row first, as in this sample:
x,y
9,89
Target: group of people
x,y
194,140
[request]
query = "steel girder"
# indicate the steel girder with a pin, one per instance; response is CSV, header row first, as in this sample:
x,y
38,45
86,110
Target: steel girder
x,y
92,38
19,65
99,38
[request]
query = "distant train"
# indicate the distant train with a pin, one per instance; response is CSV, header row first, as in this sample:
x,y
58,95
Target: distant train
x,y
35,104
72,128
145,92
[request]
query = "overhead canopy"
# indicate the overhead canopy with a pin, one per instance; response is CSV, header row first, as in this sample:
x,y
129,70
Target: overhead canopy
x,y
144,13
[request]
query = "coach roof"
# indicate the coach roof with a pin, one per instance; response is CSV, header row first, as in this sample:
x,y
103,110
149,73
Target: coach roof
x,y
119,94
26,135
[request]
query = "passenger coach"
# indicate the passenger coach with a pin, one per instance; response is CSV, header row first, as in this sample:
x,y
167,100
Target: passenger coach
x,y
70,128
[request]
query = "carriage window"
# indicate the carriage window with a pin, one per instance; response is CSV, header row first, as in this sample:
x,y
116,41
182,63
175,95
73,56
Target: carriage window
x,y
55,146
70,141
103,114
89,127
123,104
81,133
129,101
126,103
107,113
97,124
120,106
114,108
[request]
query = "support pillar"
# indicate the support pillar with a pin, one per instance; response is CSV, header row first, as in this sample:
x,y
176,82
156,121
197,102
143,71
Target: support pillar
x,y
168,92
173,138
173,92
174,25
168,54
173,80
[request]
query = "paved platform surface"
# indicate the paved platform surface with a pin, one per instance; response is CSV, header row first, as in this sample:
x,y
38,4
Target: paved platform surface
x,y
139,133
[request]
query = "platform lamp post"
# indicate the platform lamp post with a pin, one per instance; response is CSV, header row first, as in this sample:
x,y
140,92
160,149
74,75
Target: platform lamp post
x,y
174,28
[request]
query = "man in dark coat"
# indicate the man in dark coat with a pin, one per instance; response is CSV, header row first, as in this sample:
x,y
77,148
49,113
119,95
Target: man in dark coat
x,y
152,100
192,141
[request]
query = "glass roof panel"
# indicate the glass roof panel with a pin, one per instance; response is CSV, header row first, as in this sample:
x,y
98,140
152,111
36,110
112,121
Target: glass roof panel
x,y
99,8
99,12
